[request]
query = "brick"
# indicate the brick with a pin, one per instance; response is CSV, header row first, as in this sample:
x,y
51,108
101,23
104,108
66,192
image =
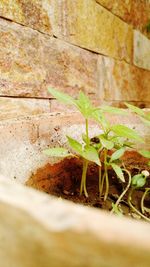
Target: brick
x,y
31,61
32,13
134,12
17,107
89,25
141,55
119,81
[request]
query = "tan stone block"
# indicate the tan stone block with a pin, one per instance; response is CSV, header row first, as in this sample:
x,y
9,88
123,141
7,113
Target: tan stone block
x,y
141,57
89,25
17,107
31,61
32,13
119,81
134,12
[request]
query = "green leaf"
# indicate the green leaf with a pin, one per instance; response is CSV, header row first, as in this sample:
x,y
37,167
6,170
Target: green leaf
x,y
114,110
117,154
99,116
124,131
75,145
118,171
145,153
62,97
106,143
91,154
84,105
135,109
57,152
138,180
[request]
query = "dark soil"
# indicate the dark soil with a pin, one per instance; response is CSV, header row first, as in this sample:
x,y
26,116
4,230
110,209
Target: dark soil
x,y
63,180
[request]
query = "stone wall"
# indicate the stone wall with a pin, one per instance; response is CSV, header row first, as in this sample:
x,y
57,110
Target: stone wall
x,y
99,46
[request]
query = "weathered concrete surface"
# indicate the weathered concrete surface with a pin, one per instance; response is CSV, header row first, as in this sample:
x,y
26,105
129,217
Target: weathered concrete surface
x,y
23,140
31,61
119,81
141,51
38,230
32,13
89,25
134,12
17,107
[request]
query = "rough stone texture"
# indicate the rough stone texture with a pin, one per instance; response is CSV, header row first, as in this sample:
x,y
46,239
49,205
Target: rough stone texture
x,y
32,13
89,25
141,51
31,61
38,230
119,81
134,12
23,140
18,107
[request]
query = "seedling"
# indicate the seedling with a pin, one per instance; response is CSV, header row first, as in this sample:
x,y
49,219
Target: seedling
x,y
117,138
138,181
85,150
105,150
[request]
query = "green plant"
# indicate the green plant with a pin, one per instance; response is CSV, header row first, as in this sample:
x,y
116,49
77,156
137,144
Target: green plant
x,y
117,138
138,181
145,118
97,149
85,150
106,150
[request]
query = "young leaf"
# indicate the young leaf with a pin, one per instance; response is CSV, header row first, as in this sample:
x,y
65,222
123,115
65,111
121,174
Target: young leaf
x,y
124,131
118,171
114,110
138,180
75,145
62,97
84,105
91,154
106,143
117,154
135,109
99,116
145,153
57,152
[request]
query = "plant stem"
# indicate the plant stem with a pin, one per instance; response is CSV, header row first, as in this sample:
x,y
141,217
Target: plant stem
x,y
124,191
87,132
142,200
133,208
100,179
106,176
83,179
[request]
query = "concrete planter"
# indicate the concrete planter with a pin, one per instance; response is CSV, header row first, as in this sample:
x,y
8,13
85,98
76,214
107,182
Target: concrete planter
x,y
40,230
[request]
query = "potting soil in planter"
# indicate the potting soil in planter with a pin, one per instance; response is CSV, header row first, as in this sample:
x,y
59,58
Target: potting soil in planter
x,y
63,180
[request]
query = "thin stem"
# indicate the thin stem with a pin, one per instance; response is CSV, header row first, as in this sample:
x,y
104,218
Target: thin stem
x,y
104,178
100,178
83,179
142,200
106,175
124,191
87,131
133,208
107,184
102,184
